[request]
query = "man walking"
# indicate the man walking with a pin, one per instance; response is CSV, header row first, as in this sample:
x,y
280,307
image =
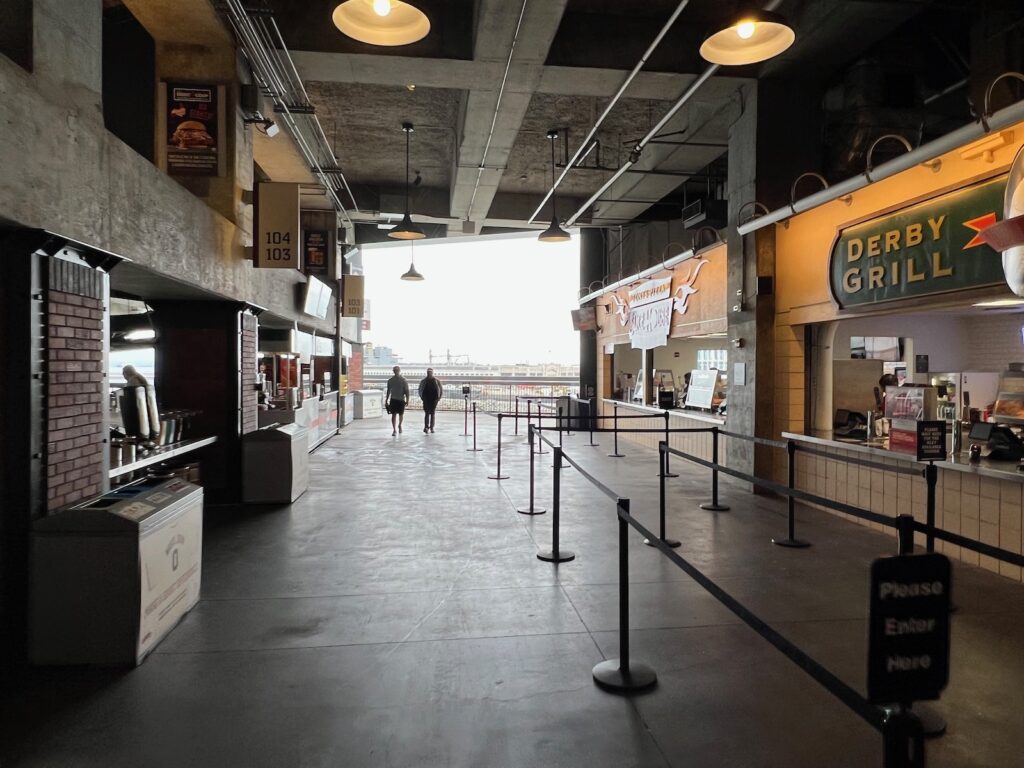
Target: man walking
x,y
430,394
396,396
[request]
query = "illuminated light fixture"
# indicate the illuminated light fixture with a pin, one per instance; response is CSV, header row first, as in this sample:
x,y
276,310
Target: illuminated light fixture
x,y
754,36
554,233
145,333
407,230
381,22
1001,303
412,274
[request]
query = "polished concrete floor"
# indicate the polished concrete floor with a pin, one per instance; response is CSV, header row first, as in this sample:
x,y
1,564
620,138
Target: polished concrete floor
x,y
396,615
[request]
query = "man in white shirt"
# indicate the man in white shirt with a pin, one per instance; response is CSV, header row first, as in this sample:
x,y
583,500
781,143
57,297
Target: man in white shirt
x,y
395,398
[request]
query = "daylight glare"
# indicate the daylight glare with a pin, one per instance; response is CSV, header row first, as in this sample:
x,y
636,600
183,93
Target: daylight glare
x,y
497,301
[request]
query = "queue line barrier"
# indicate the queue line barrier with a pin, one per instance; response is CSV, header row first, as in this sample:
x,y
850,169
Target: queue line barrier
x,y
903,737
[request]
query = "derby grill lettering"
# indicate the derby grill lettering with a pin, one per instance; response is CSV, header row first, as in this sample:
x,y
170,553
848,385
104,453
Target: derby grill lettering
x,y
909,266
931,247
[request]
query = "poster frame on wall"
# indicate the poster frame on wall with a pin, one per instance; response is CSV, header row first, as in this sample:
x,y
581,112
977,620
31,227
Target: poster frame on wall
x,y
170,121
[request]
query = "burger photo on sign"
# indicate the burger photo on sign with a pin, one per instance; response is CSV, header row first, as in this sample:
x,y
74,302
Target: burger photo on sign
x,y
191,134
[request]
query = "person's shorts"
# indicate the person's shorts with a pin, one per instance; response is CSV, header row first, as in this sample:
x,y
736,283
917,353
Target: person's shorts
x,y
397,406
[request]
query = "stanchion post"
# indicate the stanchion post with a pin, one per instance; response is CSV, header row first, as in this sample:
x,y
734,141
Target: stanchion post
x,y
902,739
623,675
662,459
474,448
664,468
791,540
592,419
517,416
931,476
905,534
465,416
556,555
714,506
531,510
497,474
560,422
540,430
615,432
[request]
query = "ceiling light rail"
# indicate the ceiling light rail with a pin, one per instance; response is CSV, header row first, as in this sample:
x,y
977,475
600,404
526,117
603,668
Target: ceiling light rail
x,y
261,42
925,155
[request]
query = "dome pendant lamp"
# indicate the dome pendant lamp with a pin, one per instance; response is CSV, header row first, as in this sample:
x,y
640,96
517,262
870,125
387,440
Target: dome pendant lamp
x,y
381,22
407,230
412,274
554,233
753,35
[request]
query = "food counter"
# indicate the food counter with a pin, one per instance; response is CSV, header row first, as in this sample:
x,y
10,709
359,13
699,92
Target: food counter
x,y
319,416
981,500
697,443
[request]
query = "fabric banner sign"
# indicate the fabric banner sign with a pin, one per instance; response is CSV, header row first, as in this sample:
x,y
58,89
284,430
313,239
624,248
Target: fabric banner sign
x,y
650,313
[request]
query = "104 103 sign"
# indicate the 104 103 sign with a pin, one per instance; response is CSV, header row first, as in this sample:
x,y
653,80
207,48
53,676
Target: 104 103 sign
x,y
278,246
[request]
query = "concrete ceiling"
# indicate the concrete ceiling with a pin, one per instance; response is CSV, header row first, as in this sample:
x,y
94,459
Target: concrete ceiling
x,y
480,144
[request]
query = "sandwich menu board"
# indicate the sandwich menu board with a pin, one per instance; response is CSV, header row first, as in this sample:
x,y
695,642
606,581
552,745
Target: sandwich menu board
x,y
315,244
193,123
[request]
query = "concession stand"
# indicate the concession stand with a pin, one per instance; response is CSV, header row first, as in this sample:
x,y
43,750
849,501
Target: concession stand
x,y
897,280
662,347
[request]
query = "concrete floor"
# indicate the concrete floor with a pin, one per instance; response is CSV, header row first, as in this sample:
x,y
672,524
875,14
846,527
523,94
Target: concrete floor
x,y
396,615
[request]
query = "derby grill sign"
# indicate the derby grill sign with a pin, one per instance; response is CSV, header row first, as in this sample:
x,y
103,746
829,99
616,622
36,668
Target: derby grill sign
x,y
932,247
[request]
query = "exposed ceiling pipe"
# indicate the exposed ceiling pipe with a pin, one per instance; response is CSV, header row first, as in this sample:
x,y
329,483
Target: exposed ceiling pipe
x,y
923,154
282,82
660,266
618,94
497,106
634,156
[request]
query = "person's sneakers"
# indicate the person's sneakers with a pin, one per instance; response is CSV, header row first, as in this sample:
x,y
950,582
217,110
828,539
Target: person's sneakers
x,y
431,430
393,433
399,429
424,430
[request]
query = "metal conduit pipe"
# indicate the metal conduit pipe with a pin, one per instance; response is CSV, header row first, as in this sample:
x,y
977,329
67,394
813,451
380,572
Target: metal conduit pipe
x,y
680,102
667,264
923,154
611,104
497,107
270,70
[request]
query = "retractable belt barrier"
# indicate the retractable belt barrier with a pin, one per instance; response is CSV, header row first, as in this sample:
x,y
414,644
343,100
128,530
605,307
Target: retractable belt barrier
x,y
903,745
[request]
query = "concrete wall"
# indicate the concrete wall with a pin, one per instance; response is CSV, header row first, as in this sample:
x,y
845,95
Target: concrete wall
x,y
63,171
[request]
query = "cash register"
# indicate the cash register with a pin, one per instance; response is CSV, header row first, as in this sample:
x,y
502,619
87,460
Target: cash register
x,y
1001,441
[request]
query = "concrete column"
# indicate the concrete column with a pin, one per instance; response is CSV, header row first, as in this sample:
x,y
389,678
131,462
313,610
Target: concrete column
x,y
592,271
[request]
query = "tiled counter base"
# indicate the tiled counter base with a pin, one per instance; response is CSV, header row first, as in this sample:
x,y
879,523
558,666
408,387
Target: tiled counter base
x,y
982,503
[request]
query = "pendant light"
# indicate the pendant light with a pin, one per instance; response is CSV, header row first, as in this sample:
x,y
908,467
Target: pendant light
x,y
412,274
554,233
754,35
407,230
381,22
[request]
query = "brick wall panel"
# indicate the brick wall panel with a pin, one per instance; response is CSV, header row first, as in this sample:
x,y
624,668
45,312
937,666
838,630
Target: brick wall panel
x,y
74,375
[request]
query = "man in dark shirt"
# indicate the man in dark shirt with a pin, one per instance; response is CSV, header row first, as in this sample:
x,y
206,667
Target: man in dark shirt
x,y
396,396
430,394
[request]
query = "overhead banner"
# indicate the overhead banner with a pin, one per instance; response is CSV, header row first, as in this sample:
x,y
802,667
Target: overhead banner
x,y
932,247
193,128
352,303
277,241
649,307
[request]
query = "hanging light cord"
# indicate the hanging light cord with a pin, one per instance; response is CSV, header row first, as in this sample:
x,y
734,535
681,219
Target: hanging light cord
x,y
407,132
554,204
